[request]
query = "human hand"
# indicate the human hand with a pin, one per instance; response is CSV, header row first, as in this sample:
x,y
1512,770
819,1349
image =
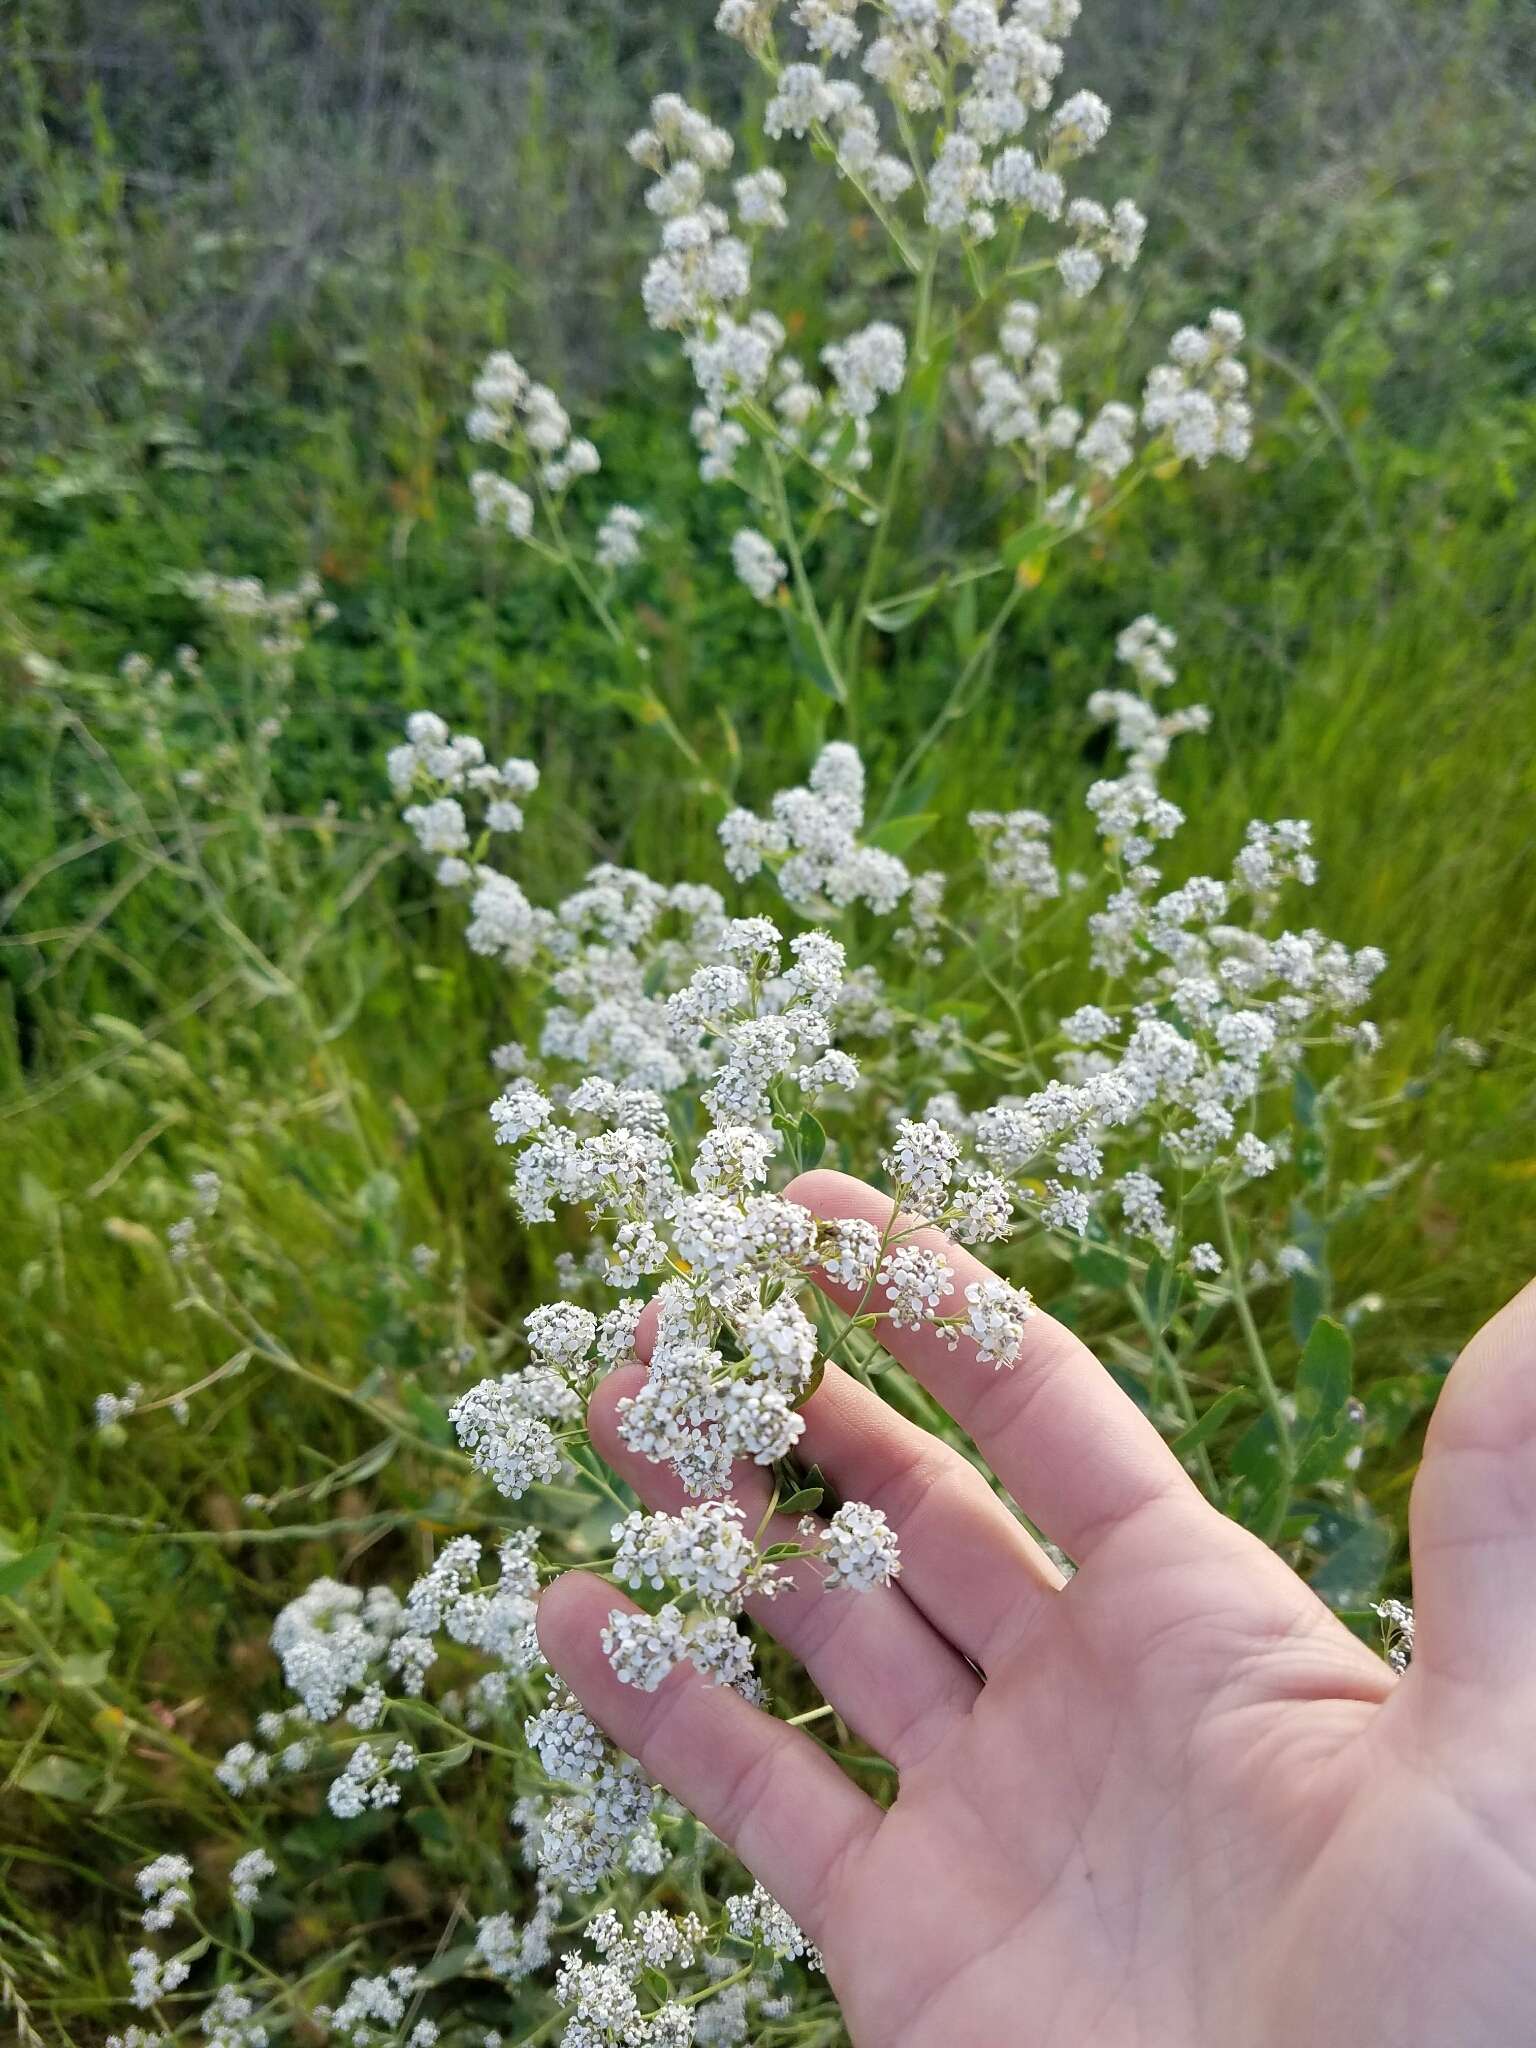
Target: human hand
x,y
1183,1805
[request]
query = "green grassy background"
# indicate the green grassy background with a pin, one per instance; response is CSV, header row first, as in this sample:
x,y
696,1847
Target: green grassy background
x,y
252,255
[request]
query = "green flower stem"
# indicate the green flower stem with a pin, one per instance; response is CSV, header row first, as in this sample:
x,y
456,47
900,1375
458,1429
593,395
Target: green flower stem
x,y
1165,1360
769,428
1259,1359
896,474
807,597
955,704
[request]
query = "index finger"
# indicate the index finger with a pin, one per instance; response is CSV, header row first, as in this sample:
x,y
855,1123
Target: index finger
x,y
1073,1449
763,1787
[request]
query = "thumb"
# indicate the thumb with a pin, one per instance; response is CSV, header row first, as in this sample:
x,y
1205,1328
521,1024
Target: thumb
x,y
1473,1515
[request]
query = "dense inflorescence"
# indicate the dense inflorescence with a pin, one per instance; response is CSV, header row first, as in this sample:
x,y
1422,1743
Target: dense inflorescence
x,y
947,123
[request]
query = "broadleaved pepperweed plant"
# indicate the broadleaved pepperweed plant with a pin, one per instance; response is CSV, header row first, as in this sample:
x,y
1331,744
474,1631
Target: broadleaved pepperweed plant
x,y
1120,1077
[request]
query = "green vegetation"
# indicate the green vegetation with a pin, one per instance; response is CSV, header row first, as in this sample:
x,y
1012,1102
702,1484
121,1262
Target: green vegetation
x,y
251,269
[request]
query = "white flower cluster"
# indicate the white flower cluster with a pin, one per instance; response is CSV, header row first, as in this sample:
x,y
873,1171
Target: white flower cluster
x,y
373,2009
111,1409
963,80
962,135
1142,733
231,2019
514,412
370,1780
528,422
810,841
1197,397
1396,1618
1018,393
699,286
976,142
679,1064
1016,855
450,770
707,1553
1193,402
757,564
505,1427
248,1875
676,1064
281,620
337,1643
612,2001
153,1978
753,1033
328,1639
756,1916
579,1837
618,537
859,1546
511,1951
163,1887
1215,1010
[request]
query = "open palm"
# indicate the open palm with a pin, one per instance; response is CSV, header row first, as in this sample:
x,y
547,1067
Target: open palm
x,y
1169,1801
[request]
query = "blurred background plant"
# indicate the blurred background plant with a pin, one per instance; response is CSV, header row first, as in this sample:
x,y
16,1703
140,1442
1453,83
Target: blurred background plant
x,y
253,256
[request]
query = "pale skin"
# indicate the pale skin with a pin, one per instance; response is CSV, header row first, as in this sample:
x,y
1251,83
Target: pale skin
x,y
1171,1803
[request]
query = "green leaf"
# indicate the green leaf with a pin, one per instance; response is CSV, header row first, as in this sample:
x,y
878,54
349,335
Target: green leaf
x,y
812,1141
897,613
1352,1572
1304,1100
1215,1418
1132,1384
1369,1192
1258,1498
23,1570
963,619
807,655
84,1602
926,379
1393,1405
430,1825
449,1759
425,1413
369,1466
1326,1373
897,834
641,705
38,1203
87,1667
453,1962
843,443
1311,1289
1325,1422
805,1502
1097,1266
59,1777
1161,1290
1019,546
